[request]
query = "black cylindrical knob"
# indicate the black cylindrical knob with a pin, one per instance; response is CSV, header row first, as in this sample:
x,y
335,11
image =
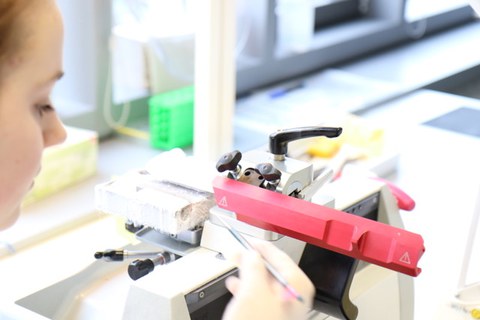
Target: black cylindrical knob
x,y
229,161
139,268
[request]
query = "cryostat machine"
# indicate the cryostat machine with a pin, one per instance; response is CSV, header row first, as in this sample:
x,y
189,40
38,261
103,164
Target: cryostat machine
x,y
345,232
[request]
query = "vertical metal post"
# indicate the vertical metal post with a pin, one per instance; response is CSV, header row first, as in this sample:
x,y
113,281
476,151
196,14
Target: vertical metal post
x,y
214,78
474,225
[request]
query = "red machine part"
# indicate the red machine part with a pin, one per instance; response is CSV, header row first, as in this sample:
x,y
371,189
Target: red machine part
x,y
354,236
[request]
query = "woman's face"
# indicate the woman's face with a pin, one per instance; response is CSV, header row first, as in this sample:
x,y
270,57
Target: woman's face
x,y
28,122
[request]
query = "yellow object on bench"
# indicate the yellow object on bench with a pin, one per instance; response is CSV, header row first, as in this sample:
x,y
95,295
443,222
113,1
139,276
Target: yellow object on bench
x,y
66,164
357,132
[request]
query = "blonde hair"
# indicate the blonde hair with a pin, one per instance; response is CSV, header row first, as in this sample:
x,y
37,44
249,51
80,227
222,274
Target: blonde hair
x,y
11,27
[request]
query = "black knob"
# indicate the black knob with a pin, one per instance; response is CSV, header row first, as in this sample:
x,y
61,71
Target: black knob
x,y
110,255
139,268
229,161
280,139
269,172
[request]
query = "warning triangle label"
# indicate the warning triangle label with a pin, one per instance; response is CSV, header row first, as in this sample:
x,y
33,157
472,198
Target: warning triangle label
x,y
223,202
405,258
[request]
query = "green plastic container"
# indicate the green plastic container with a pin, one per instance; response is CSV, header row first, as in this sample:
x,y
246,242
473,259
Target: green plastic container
x,y
171,119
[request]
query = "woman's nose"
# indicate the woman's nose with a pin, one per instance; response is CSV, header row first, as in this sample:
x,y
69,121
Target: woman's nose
x,y
55,133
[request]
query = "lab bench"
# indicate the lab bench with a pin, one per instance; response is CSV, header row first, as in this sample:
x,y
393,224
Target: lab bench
x,y
437,167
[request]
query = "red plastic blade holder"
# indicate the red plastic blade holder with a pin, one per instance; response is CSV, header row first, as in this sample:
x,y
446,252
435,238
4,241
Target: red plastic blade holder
x,y
372,241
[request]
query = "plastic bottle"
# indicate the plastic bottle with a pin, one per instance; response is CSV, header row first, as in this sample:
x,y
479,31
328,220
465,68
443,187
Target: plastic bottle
x,y
295,25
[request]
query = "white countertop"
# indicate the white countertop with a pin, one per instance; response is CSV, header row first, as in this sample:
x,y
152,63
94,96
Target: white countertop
x,y
440,170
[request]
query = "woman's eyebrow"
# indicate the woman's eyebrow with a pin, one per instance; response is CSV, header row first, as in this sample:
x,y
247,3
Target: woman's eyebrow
x,y
57,76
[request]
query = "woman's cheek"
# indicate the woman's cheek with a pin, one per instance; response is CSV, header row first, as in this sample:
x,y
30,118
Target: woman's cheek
x,y
29,159
9,218
26,168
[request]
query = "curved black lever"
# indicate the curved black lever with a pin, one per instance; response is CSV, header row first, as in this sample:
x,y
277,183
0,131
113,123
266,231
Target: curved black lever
x,y
280,139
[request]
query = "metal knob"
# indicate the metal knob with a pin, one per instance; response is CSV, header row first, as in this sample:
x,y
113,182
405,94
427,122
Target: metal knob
x,y
140,268
269,172
229,161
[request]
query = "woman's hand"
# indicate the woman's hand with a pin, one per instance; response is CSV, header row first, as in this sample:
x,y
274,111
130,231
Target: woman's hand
x,y
258,295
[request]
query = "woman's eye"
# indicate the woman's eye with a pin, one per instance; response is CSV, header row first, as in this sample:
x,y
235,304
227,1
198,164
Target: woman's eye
x,y
43,108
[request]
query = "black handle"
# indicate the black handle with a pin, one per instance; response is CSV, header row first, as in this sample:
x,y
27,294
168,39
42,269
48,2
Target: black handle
x,y
110,255
280,139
